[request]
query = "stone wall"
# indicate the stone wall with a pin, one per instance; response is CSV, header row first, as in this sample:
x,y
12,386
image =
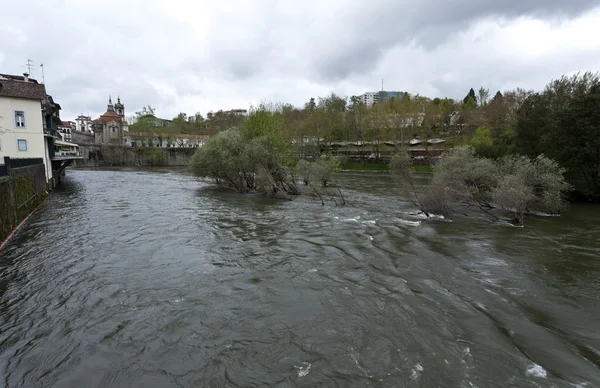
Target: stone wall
x,y
102,155
79,137
20,193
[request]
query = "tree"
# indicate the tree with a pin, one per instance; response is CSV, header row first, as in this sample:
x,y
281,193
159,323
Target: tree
x,y
257,156
155,156
505,189
310,105
484,95
482,142
563,122
145,111
470,98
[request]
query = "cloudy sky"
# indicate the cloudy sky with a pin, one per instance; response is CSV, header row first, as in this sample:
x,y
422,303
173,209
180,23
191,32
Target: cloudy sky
x,y
189,56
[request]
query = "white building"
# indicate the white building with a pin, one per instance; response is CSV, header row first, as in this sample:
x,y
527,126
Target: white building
x,y
83,123
163,140
237,112
369,98
65,130
21,120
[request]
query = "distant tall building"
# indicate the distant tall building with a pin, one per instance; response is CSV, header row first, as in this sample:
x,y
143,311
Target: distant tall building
x,y
371,98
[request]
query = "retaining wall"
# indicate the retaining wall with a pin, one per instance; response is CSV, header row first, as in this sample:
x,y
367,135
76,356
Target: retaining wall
x,y
21,191
100,155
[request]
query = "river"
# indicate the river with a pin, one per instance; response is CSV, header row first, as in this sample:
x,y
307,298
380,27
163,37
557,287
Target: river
x,y
151,278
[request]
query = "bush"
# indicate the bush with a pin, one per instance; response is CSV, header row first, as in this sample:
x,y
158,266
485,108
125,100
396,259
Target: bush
x,y
258,156
513,185
155,156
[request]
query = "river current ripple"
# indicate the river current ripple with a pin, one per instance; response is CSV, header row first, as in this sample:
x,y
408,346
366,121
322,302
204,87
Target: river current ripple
x,y
151,278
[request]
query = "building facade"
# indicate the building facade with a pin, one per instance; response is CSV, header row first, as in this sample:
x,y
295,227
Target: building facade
x,y
22,120
163,140
83,123
371,98
109,127
66,129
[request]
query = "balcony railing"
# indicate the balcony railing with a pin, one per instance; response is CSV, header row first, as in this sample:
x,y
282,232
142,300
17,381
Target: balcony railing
x,y
66,155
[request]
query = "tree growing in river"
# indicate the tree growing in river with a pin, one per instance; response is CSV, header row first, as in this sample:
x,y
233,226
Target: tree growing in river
x,y
258,156
505,189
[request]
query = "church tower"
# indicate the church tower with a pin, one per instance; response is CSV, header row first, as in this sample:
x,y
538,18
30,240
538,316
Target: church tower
x,y
110,107
120,108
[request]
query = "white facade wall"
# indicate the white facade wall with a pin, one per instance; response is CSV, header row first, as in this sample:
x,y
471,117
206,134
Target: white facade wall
x,y
32,132
369,98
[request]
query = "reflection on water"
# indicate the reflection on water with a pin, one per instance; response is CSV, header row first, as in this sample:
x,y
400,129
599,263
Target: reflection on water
x,y
149,278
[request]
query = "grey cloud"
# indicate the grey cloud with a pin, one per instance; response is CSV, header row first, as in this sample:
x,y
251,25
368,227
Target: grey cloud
x,y
178,56
428,23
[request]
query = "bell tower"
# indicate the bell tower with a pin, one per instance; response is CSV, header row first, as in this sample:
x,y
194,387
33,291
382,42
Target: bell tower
x,y
120,108
110,107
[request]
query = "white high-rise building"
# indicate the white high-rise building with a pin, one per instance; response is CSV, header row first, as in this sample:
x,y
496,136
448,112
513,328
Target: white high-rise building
x,y
369,98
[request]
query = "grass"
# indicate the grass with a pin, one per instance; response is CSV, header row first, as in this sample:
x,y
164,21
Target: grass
x,y
422,170
358,166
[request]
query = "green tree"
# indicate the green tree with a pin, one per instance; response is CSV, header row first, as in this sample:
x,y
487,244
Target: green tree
x,y
155,156
470,98
484,95
257,156
505,189
482,142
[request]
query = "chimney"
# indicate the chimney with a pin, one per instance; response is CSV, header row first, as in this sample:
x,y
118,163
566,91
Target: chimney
x,y
26,77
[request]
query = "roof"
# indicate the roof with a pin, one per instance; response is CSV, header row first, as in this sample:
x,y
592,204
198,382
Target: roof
x,y
17,78
108,116
11,87
66,124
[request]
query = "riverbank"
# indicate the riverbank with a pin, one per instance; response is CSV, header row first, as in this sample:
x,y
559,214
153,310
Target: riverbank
x,y
375,167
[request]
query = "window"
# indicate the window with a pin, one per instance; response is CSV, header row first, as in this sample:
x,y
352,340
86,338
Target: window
x,y
19,119
113,128
21,144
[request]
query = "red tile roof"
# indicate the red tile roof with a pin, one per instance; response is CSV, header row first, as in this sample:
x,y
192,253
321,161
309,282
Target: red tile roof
x,y
108,116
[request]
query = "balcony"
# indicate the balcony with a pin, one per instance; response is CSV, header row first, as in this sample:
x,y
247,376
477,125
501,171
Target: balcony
x,y
66,155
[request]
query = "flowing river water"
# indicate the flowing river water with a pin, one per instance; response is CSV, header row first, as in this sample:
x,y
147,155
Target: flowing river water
x,y
151,278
